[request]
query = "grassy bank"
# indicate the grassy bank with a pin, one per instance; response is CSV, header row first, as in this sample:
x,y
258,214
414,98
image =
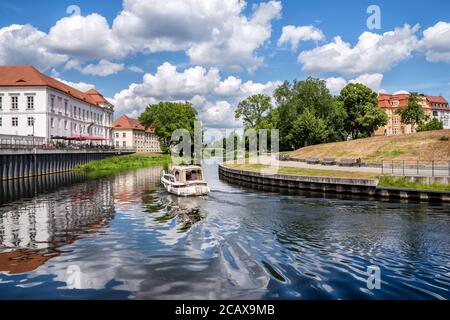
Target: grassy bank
x,y
304,171
122,163
422,146
390,182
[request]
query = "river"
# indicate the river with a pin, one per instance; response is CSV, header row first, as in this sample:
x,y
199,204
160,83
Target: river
x,y
123,237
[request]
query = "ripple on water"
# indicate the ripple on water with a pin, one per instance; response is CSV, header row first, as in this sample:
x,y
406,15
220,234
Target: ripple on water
x,y
131,239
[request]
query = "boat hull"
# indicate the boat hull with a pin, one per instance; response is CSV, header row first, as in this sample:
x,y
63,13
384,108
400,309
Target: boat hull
x,y
190,190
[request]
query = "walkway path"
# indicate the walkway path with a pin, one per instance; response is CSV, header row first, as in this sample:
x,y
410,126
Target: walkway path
x,y
442,171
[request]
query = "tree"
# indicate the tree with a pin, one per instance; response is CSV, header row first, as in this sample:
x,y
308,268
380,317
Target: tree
x,y
308,130
166,117
361,106
293,99
434,124
253,109
413,114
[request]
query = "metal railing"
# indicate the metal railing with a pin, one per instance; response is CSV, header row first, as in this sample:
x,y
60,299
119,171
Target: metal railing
x,y
416,168
21,142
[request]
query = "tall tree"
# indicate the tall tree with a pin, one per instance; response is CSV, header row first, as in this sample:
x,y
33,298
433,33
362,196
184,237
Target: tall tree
x,y
361,106
253,110
413,114
308,130
166,117
293,99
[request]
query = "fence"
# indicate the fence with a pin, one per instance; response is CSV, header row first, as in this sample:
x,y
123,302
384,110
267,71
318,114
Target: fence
x,y
20,142
416,168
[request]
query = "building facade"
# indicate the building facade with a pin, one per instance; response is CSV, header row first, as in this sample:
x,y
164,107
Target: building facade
x,y
434,107
128,133
33,104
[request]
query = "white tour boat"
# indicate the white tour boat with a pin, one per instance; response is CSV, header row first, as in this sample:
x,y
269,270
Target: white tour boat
x,y
187,180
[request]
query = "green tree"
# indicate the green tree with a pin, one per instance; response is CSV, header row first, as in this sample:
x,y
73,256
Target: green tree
x,y
308,130
166,117
293,99
361,107
253,110
413,114
434,124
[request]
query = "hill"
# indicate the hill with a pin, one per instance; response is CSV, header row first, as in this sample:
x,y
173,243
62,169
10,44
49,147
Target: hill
x,y
423,146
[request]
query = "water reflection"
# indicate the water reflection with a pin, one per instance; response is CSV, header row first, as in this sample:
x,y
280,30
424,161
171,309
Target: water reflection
x,y
130,239
32,232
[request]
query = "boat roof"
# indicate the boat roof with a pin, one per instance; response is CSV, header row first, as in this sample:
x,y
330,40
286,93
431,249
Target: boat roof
x,y
187,168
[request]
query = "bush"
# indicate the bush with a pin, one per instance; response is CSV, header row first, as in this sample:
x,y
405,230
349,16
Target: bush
x,y
443,138
432,125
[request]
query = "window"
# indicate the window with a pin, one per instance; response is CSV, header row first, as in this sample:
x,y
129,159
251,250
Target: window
x,y
1,102
66,103
14,102
65,124
124,135
117,134
30,121
52,122
30,102
1,121
74,112
15,121
117,142
124,144
76,127
52,103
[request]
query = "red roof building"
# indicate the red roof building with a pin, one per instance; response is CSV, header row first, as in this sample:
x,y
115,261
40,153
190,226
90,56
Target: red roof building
x,y
130,134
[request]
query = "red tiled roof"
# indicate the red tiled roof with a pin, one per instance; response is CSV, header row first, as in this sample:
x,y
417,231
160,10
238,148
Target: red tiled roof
x,y
28,76
437,99
125,122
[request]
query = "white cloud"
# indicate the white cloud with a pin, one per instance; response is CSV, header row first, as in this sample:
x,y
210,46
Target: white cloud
x,y
86,38
234,87
373,81
293,35
167,84
336,84
219,114
211,32
373,53
214,99
24,45
103,68
436,42
233,44
82,86
135,69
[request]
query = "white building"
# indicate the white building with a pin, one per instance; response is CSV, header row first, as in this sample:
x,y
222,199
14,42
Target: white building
x,y
32,103
130,134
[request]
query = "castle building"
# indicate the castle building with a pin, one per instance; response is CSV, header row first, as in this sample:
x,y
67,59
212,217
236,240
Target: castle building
x,y
434,107
33,104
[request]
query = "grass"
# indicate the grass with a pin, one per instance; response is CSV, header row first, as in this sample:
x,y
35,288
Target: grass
x,y
122,163
384,181
391,182
304,171
422,146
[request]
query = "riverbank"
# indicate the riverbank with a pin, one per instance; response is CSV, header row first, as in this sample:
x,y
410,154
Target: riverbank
x,y
123,163
330,181
422,146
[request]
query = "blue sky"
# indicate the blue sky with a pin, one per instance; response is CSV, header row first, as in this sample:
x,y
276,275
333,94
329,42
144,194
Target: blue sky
x,y
221,51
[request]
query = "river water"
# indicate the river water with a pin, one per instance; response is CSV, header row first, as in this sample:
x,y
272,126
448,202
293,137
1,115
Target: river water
x,y
123,237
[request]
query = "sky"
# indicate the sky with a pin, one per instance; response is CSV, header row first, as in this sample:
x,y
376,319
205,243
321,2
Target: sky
x,y
214,53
